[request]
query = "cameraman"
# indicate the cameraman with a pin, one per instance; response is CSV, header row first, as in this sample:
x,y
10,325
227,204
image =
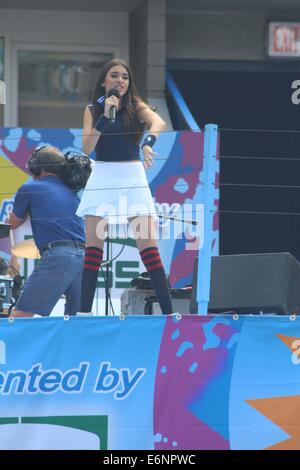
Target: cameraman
x,y
57,231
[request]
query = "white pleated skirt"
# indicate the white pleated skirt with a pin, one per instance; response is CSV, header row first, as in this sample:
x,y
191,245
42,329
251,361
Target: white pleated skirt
x,y
117,191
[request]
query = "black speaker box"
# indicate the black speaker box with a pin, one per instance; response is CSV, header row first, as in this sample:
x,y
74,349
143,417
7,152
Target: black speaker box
x,y
252,283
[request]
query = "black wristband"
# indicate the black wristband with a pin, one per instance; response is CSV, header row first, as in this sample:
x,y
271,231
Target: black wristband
x,y
102,123
149,140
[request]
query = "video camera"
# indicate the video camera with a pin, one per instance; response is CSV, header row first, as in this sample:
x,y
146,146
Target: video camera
x,y
76,170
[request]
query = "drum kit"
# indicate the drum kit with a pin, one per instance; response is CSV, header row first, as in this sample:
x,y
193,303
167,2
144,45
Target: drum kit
x,y
10,287
26,249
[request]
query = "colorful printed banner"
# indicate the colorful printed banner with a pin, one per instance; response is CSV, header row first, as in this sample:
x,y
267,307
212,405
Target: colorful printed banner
x,y
200,382
176,182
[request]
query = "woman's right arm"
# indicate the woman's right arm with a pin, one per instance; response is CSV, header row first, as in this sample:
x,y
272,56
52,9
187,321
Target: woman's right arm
x,y
90,134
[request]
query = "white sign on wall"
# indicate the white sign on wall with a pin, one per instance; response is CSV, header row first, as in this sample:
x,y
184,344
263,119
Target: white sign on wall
x,y
284,40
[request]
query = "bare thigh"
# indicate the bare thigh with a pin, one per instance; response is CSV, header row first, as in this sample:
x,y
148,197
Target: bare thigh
x,y
145,231
96,230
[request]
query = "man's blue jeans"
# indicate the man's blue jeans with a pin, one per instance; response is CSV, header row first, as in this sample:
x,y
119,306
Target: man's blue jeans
x,y
58,272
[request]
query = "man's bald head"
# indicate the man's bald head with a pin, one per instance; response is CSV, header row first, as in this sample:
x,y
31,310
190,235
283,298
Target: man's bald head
x,y
51,160
46,159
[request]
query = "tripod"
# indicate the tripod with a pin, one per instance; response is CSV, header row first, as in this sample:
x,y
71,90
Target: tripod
x,y
107,277
107,263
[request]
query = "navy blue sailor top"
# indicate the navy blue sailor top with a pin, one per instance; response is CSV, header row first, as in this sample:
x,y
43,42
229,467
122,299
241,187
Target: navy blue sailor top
x,y
115,143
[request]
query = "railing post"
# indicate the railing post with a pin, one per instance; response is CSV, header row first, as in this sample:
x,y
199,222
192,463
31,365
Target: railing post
x,y
208,194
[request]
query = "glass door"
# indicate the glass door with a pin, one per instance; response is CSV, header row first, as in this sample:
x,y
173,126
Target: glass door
x,y
2,84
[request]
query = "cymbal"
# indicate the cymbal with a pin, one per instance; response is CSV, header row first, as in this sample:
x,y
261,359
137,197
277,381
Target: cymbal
x,y
26,249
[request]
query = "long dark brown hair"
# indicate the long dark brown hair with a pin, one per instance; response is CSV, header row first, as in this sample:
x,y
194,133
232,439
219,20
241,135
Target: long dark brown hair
x,y
132,101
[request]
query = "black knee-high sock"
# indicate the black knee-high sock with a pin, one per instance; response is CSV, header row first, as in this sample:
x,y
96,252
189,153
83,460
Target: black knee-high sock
x,y
153,264
92,260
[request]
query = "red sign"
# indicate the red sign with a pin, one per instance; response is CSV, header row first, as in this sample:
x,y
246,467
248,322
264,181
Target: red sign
x,y
284,39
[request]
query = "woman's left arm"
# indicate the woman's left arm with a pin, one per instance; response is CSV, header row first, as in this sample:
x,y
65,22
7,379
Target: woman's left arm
x,y
155,125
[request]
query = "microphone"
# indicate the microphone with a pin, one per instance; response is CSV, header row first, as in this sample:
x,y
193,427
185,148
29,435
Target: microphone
x,y
175,219
113,109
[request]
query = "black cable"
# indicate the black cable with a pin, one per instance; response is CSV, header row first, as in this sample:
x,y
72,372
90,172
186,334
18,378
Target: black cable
x,y
198,131
109,288
255,157
130,133
246,185
112,307
267,186
105,262
104,189
106,279
192,211
189,157
108,291
281,131
259,213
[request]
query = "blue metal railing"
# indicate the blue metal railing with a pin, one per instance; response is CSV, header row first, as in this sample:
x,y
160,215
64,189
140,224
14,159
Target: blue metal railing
x,y
206,195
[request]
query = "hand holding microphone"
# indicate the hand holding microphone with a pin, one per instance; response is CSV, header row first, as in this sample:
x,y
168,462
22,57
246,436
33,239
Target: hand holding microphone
x,y
111,104
110,110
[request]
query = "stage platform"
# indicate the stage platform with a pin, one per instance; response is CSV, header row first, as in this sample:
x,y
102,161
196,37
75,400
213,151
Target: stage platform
x,y
150,382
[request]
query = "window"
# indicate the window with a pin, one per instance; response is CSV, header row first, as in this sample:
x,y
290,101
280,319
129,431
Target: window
x,y
54,87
